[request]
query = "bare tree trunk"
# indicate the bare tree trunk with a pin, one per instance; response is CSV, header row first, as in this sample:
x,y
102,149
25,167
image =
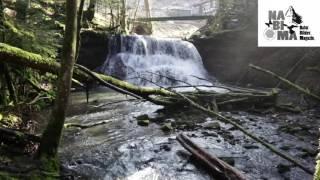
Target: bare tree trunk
x,y
123,16
118,19
52,134
134,16
112,17
2,19
91,10
147,8
79,21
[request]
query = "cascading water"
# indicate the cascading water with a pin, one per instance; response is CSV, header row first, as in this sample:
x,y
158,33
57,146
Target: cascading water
x,y
144,61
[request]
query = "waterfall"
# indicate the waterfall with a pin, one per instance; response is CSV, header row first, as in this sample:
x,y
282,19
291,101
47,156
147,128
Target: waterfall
x,y
144,60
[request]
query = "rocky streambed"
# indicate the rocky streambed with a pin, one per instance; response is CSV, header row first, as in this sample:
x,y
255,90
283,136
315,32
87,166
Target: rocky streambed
x,y
127,148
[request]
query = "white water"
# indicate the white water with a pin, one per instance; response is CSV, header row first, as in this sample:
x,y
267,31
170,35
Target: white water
x,y
145,61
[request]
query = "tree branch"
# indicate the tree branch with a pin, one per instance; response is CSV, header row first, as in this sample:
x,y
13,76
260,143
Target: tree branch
x,y
289,83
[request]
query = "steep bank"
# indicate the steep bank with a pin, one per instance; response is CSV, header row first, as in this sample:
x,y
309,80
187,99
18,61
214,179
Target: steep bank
x,y
228,54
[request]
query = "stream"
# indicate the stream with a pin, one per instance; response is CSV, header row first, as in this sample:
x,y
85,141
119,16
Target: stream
x,y
122,149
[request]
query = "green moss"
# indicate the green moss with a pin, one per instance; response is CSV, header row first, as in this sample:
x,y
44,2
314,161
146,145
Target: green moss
x,y
10,120
7,176
144,122
11,28
167,127
317,172
19,52
50,165
135,89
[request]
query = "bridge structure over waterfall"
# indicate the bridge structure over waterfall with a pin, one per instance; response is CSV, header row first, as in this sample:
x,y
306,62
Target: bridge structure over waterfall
x,y
174,18
198,11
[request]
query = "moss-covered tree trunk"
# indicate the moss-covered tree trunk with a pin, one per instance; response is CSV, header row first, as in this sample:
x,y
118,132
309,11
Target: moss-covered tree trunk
x,y
317,169
52,134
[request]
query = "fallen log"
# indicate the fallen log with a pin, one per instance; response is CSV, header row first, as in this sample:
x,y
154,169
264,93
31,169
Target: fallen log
x,y
287,82
17,136
101,81
246,132
13,55
160,96
220,169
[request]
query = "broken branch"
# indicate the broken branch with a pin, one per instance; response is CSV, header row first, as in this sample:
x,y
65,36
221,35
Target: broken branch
x,y
289,83
221,169
86,126
247,133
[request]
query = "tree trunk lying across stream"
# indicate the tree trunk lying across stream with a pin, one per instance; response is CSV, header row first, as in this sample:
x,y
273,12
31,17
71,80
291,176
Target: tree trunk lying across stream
x,y
13,55
201,100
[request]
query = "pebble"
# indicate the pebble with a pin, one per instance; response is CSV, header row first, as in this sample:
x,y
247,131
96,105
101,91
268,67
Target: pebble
x,y
250,146
212,125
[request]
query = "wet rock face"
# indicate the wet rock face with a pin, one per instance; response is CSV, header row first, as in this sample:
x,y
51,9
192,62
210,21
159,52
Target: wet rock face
x,y
93,50
227,56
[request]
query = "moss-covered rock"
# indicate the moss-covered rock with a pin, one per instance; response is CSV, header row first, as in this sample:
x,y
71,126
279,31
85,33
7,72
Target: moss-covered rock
x,y
143,117
167,127
317,171
144,122
10,120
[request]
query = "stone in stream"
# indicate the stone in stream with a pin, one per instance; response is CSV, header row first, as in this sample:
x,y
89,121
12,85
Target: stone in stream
x,y
282,168
167,127
212,125
208,133
165,147
250,146
145,122
285,147
143,117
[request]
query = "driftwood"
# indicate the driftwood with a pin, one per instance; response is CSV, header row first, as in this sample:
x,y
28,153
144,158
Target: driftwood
x,y
220,169
86,126
287,82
